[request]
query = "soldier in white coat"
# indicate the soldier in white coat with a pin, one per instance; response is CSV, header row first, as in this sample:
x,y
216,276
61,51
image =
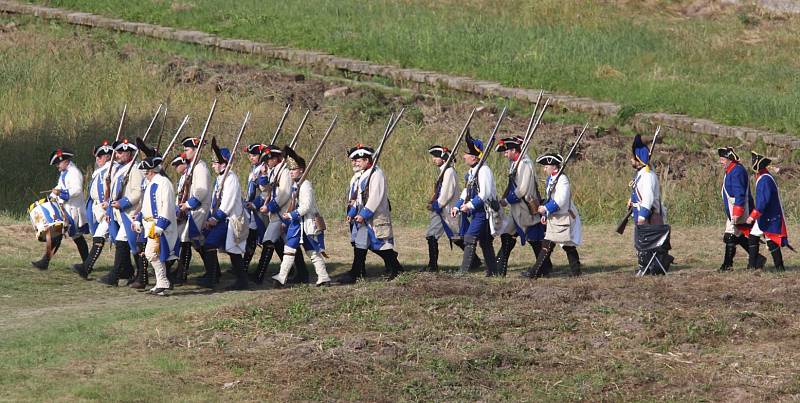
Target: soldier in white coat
x,y
226,227
275,185
371,218
193,207
645,201
304,224
95,213
521,197
122,204
474,206
253,201
561,216
157,222
441,222
68,193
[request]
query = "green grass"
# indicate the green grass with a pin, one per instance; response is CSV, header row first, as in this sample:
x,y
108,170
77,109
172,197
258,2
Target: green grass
x,y
736,68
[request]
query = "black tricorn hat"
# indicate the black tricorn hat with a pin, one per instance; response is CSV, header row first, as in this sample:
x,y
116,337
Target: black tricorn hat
x,y
191,142
360,151
103,149
147,150
150,162
509,143
550,159
759,161
729,153
474,146
256,148
60,154
222,155
124,145
293,161
439,152
180,159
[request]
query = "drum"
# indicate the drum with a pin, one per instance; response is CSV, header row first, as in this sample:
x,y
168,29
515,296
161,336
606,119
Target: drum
x,y
46,215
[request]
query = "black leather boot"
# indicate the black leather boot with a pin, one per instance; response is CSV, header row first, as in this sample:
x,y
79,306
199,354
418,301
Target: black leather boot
x,y
393,266
267,249
753,244
476,261
433,255
507,243
211,263
730,252
299,272
44,262
182,270
744,242
83,248
122,256
140,278
358,268
777,255
250,248
547,265
239,271
85,268
470,245
574,261
538,268
487,247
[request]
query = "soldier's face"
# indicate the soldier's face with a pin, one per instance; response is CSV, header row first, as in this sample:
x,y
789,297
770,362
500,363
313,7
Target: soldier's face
x,y
101,160
635,163
219,167
437,161
181,168
511,154
362,163
273,162
124,157
189,151
355,166
295,173
470,159
62,166
724,161
550,169
253,158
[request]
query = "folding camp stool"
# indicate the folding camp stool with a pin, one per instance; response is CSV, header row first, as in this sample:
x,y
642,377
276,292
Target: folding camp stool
x,y
652,238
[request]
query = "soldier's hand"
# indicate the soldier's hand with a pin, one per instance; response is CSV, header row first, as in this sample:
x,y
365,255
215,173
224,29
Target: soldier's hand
x,y
453,212
641,220
211,222
503,203
250,206
348,219
185,206
55,191
543,220
263,209
359,219
542,210
750,220
286,216
465,208
115,204
735,218
629,204
136,227
104,205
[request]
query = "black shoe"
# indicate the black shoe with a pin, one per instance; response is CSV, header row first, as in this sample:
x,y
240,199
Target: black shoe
x,y
761,261
162,292
42,264
528,274
277,284
78,268
108,280
324,284
725,268
346,278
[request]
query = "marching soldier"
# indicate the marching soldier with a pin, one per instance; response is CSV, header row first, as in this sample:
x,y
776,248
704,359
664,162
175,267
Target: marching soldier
x,y
95,213
192,212
738,202
474,203
68,193
253,201
304,224
275,185
561,217
645,199
767,217
521,192
226,227
371,219
441,222
157,221
121,206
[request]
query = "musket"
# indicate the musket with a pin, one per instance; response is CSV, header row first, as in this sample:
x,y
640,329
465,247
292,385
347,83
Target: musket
x,y
451,157
175,137
623,223
379,151
183,193
229,164
292,145
107,187
133,160
566,160
532,201
293,199
161,131
280,124
486,150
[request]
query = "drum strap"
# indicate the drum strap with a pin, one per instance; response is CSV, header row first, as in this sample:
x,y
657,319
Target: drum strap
x,y
48,236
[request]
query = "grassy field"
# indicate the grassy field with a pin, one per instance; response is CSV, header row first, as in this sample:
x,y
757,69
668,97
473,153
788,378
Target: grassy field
x,y
734,65
693,335
65,86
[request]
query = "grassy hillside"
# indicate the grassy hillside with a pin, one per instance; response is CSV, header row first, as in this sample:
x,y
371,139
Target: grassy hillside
x,y
733,65
66,86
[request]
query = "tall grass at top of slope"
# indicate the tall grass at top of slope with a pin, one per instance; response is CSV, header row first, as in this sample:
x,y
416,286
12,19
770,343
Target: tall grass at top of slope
x,y
658,57
66,86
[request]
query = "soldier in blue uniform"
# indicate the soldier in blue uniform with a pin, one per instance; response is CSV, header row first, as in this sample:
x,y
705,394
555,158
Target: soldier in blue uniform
x,y
767,217
95,213
474,205
737,202
253,201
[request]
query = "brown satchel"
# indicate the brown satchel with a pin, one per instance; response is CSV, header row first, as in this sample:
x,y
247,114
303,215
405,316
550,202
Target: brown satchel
x,y
319,222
